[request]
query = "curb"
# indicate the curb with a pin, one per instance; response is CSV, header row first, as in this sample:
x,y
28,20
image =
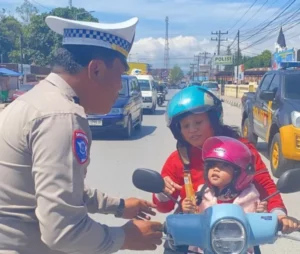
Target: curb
x,y
232,102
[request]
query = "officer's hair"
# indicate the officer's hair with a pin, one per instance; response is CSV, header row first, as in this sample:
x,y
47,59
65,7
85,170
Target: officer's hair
x,y
73,58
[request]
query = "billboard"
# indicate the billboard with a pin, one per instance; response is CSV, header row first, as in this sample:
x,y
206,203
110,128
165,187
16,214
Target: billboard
x,y
288,55
223,60
239,76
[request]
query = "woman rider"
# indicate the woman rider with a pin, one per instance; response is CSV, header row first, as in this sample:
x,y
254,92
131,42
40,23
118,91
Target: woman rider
x,y
194,115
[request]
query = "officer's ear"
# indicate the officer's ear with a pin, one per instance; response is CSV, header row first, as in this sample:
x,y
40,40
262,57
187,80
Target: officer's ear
x,y
95,69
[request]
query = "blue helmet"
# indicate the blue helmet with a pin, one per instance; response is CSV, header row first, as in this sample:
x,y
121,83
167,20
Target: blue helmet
x,y
191,100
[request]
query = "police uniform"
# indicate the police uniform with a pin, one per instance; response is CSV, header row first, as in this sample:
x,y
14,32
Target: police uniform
x,y
45,145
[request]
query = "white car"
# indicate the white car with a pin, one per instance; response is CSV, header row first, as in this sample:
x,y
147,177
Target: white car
x,y
213,87
148,87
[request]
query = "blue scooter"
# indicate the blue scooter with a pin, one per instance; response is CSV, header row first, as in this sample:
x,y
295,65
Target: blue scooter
x,y
220,229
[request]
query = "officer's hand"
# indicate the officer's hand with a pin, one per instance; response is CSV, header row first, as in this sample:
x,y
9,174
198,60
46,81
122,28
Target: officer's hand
x,y
137,208
170,186
142,235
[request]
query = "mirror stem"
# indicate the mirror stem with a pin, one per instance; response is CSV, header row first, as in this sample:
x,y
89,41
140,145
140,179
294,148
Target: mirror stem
x,y
272,195
173,199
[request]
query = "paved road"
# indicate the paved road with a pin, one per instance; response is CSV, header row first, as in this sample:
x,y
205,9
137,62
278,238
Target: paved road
x,y
113,162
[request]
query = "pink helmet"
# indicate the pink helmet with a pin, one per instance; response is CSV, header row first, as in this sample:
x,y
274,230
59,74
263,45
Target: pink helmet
x,y
234,152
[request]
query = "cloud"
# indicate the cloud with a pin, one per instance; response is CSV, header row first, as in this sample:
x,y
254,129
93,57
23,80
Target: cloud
x,y
190,25
182,50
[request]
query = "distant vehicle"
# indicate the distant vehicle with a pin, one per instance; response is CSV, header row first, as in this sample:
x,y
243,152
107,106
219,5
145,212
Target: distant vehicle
x,y
182,85
149,91
195,83
212,86
23,89
126,114
165,86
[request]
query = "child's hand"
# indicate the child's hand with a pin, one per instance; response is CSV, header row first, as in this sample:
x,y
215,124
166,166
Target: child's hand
x,y
262,207
289,224
188,206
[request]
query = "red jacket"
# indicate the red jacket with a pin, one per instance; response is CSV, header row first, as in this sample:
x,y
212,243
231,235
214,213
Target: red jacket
x,y
174,169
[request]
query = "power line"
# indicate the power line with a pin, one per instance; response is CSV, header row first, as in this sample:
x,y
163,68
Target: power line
x,y
254,29
243,15
267,37
280,22
262,6
261,29
239,7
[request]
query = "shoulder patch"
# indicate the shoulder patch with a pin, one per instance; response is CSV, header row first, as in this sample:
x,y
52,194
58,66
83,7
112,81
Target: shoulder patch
x,y
80,146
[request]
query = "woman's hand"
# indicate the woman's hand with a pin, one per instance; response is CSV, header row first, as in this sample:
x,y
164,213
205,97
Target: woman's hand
x,y
188,206
289,224
262,207
170,186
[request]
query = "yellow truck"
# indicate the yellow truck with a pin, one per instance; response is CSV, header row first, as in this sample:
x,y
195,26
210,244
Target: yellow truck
x,y
143,67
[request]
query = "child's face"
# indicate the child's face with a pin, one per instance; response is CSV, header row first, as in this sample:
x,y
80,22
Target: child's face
x,y
220,174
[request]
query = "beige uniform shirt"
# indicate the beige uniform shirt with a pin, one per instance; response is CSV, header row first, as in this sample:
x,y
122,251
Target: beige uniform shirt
x,y
44,151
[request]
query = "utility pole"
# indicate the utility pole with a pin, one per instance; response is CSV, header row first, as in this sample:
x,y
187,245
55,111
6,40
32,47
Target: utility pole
x,y
238,56
167,49
192,66
198,65
205,54
21,57
70,4
219,40
198,57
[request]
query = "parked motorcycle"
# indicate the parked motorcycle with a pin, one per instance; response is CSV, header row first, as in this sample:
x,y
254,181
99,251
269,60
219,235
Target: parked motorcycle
x,y
160,98
223,228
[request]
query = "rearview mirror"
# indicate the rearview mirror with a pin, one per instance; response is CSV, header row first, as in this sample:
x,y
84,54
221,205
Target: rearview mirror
x,y
148,180
267,95
289,181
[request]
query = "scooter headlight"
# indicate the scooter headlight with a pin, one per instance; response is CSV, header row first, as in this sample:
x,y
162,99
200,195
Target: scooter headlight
x,y
228,236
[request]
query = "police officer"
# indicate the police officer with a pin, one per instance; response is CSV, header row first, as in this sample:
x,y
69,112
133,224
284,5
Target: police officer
x,y
45,146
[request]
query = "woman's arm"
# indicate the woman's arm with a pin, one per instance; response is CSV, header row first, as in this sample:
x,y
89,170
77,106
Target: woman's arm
x,y
265,185
170,169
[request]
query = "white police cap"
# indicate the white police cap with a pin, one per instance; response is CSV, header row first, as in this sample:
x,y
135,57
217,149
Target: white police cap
x,y
117,36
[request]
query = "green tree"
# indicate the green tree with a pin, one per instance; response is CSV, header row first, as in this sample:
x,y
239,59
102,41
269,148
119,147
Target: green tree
x,y
259,61
10,31
40,51
38,42
176,74
26,11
